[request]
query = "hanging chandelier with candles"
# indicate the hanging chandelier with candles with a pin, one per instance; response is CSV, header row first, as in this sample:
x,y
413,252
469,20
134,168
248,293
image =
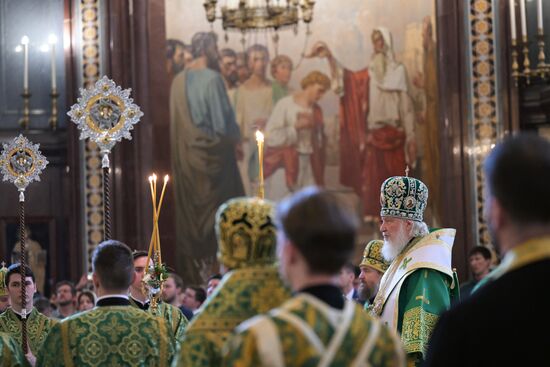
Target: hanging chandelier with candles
x,y
254,15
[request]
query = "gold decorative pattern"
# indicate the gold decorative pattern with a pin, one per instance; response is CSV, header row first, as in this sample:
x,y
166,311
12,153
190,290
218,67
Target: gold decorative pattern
x,y
93,189
417,325
484,126
38,327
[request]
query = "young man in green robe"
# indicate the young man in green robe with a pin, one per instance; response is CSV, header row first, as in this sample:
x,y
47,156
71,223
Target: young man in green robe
x,y
318,326
10,352
113,333
246,236
172,315
419,284
38,325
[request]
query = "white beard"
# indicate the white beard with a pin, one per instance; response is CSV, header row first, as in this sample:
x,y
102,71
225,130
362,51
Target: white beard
x,y
391,249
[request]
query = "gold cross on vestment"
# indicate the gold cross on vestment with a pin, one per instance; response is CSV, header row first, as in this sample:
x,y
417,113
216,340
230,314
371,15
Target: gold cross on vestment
x,y
406,262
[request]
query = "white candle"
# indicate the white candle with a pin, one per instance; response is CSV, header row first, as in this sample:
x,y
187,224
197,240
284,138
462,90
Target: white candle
x,y
52,40
25,43
539,15
513,18
523,18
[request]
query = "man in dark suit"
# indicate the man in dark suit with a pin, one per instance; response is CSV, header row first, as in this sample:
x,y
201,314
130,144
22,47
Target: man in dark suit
x,y
497,325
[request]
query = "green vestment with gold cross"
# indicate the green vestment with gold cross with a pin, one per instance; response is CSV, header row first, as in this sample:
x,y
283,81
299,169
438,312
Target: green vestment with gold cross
x,y
173,316
242,294
11,354
38,327
417,287
306,331
108,336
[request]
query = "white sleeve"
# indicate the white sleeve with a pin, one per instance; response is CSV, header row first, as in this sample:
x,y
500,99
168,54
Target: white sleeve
x,y
279,131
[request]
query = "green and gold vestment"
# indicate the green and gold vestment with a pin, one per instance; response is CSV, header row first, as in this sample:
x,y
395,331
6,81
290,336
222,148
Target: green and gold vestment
x,y
242,294
174,318
305,331
108,336
417,287
38,327
11,354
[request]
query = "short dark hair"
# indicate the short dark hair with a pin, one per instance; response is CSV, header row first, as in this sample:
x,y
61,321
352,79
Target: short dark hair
x,y
87,293
112,262
482,250
177,279
171,46
200,294
136,254
41,304
16,269
320,226
215,276
228,52
517,173
66,282
201,41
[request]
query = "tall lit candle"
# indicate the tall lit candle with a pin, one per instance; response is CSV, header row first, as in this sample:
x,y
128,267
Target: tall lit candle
x,y
260,142
25,43
513,19
539,16
523,19
52,40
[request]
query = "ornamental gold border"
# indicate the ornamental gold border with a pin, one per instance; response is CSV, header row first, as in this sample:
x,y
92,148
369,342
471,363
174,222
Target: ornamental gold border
x,y
90,50
484,126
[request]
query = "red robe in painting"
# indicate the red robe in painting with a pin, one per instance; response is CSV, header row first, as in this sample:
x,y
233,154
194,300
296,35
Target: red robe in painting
x,y
367,158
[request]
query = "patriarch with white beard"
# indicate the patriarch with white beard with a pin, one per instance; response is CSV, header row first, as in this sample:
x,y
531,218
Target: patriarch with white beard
x,y
419,283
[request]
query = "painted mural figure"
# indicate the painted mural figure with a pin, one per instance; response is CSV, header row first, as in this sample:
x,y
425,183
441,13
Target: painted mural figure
x,y
295,140
253,105
203,134
377,120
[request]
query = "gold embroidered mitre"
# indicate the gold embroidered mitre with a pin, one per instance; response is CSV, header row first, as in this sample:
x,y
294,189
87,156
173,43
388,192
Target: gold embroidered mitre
x,y
246,233
372,256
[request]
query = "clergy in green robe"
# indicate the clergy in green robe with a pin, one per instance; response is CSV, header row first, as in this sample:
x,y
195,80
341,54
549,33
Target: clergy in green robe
x,y
11,354
246,238
419,284
38,325
318,326
173,316
113,333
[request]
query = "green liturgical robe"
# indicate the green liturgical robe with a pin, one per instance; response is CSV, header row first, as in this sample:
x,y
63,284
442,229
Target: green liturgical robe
x,y
11,354
242,294
171,314
306,331
108,336
38,327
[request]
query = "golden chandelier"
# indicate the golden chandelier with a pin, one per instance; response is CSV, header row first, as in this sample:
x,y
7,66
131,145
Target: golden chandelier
x,y
248,15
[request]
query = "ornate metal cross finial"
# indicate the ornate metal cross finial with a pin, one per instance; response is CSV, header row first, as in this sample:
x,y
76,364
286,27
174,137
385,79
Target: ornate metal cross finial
x,y
407,171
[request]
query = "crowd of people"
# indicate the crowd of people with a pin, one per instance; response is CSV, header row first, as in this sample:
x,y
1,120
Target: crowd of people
x,y
289,295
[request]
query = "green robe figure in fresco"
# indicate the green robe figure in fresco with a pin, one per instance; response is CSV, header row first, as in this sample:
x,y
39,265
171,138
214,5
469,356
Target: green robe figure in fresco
x,y
246,237
11,354
113,333
420,283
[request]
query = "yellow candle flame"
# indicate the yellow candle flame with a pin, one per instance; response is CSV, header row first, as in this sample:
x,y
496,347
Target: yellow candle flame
x,y
259,136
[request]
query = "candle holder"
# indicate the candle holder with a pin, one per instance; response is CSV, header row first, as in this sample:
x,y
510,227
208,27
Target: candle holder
x,y
515,65
25,120
526,63
53,118
542,67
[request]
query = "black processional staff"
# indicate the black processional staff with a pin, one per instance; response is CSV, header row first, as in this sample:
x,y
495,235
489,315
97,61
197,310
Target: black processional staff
x,y
21,163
